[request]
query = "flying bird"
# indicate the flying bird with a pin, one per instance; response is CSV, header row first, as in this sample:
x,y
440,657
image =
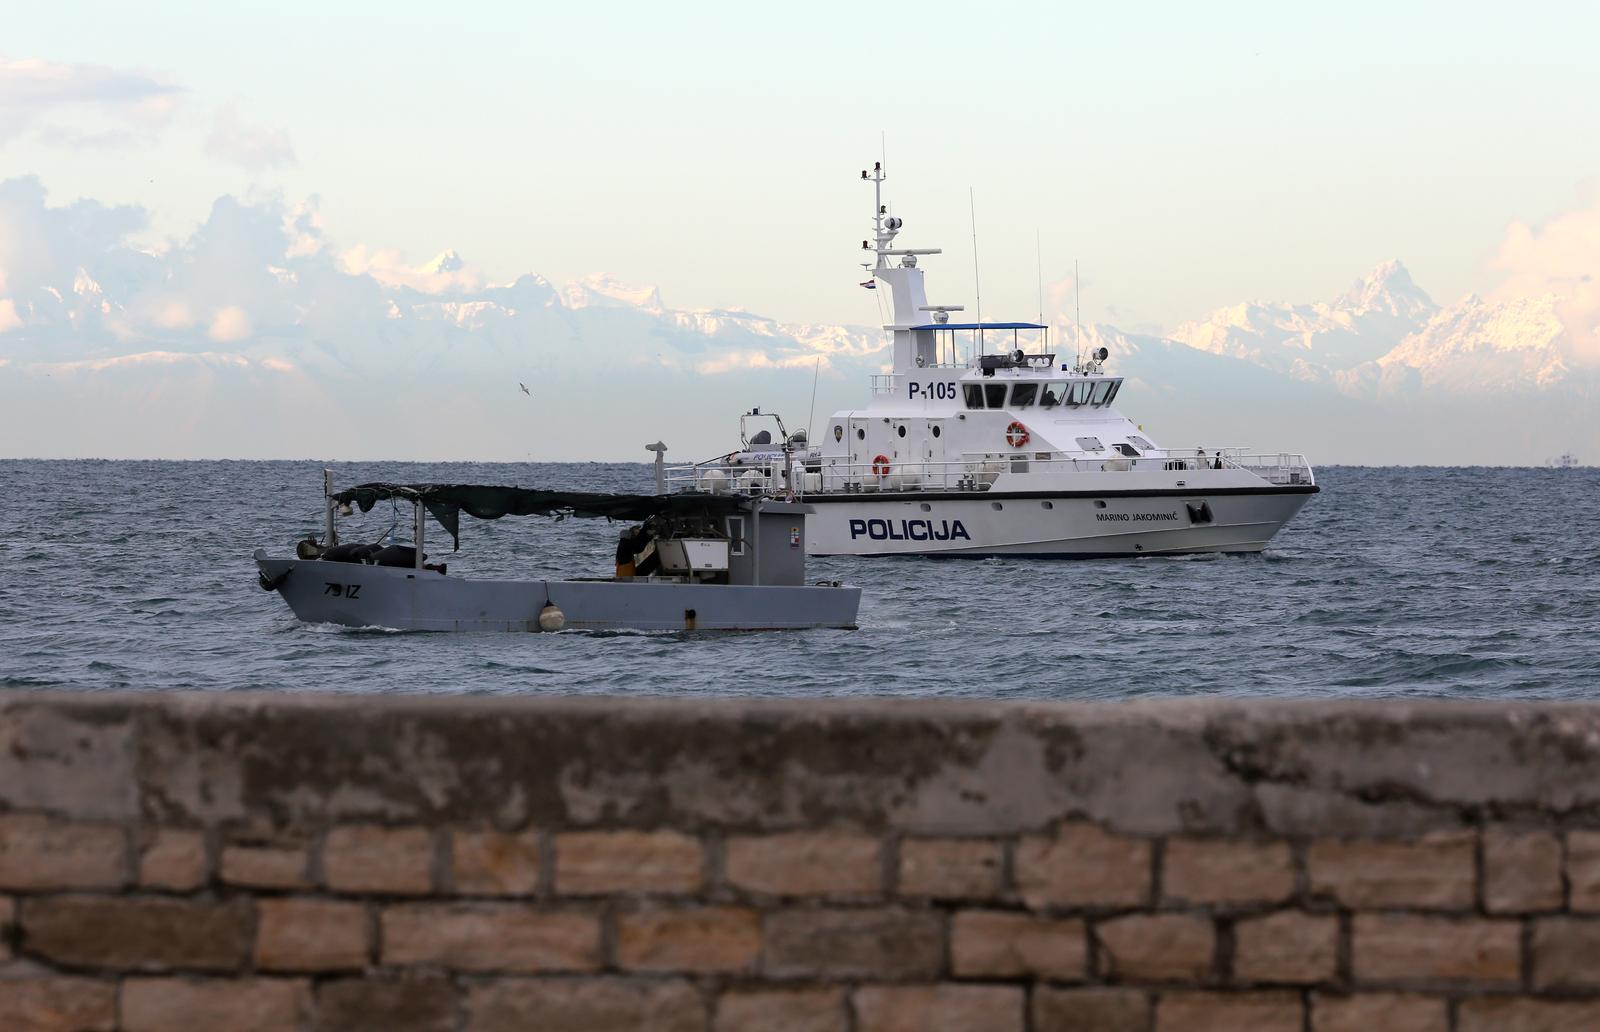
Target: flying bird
x,y
524,388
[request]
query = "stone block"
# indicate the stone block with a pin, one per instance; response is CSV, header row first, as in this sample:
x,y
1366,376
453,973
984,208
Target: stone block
x,y
494,863
781,1010
1513,1014
939,1008
266,867
1156,948
1007,944
1521,871
806,863
689,939
1379,1012
366,858
1566,953
174,859
1288,946
386,1005
1224,871
1090,1010
511,937
1083,866
1229,1012
600,862
151,933
1407,948
41,854
584,1005
1583,870
72,754
238,1005
310,935
58,1005
875,943
951,868
1435,872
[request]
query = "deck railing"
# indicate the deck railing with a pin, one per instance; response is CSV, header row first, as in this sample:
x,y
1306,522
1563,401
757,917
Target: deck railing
x,y
976,471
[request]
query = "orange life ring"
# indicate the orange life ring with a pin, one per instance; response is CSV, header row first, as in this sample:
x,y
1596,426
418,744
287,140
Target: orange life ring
x,y
1016,434
880,465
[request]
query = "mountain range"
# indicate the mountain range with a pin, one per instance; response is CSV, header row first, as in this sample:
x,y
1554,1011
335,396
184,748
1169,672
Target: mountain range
x,y
257,338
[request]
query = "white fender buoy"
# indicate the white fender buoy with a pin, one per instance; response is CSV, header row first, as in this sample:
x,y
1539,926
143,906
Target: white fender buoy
x,y
551,618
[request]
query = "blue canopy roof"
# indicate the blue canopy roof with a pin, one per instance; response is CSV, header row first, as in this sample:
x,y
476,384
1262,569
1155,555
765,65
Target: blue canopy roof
x,y
983,326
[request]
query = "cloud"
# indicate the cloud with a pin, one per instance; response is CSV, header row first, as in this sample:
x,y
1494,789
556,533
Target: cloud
x,y
32,89
9,319
1559,258
254,147
231,324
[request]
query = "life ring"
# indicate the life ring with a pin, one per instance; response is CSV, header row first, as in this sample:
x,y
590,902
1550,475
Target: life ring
x,y
880,465
1016,434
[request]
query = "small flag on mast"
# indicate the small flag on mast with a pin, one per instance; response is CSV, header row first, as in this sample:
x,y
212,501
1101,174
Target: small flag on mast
x,y
870,284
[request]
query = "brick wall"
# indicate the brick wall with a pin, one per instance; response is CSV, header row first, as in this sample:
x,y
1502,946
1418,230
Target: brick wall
x,y
251,861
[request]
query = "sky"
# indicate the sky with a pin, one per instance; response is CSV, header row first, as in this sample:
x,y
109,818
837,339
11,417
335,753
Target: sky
x,y
1188,156
220,222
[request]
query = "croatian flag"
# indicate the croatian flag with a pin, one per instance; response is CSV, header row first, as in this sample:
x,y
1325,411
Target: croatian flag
x,y
871,284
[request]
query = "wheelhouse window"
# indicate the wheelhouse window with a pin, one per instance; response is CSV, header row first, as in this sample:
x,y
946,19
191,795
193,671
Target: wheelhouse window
x,y
1080,392
1102,393
1116,385
1090,444
995,394
1023,394
974,393
1054,394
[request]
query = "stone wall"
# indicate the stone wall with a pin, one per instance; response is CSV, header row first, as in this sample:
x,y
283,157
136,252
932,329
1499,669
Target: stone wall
x,y
254,861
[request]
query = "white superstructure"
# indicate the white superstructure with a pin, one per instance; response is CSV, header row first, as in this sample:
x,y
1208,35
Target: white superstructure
x,y
964,452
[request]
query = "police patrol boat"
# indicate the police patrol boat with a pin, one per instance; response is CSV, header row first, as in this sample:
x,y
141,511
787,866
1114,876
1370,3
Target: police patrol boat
x,y
960,452
708,562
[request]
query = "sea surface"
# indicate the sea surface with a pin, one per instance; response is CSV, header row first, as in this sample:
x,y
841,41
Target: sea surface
x,y
1456,583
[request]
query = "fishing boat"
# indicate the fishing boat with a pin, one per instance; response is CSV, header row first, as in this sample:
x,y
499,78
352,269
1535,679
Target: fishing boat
x,y
966,452
684,563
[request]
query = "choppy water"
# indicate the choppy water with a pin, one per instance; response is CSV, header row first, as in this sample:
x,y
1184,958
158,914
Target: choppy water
x,y
1450,582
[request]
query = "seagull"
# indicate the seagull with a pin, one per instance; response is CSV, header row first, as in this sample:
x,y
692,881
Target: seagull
x,y
524,388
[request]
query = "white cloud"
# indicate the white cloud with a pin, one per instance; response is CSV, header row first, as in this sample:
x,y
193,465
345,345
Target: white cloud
x,y
9,319
231,324
32,89
1560,258
255,147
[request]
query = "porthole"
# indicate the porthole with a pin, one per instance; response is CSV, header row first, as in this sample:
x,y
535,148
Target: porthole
x,y
926,507
1099,504
936,431
1047,505
996,506
902,429
861,434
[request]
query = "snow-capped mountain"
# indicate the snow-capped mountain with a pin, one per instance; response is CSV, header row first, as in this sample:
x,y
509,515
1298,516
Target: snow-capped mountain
x,y
254,337
1316,341
1385,336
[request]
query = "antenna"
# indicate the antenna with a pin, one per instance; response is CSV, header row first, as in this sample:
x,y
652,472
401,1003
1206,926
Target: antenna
x,y
977,283
1077,320
815,372
1038,259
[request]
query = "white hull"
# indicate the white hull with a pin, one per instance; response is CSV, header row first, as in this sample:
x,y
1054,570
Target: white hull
x,y
1049,524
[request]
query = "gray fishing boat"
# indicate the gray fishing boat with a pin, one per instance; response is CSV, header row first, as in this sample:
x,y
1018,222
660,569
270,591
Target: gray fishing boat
x,y
686,562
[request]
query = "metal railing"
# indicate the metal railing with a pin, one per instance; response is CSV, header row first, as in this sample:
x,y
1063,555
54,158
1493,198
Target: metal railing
x,y
976,471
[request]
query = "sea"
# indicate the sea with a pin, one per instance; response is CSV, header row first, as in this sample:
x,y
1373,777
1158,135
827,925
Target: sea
x,y
1418,582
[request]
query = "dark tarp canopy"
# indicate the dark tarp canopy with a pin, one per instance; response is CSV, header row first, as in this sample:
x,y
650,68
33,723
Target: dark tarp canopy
x,y
446,502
